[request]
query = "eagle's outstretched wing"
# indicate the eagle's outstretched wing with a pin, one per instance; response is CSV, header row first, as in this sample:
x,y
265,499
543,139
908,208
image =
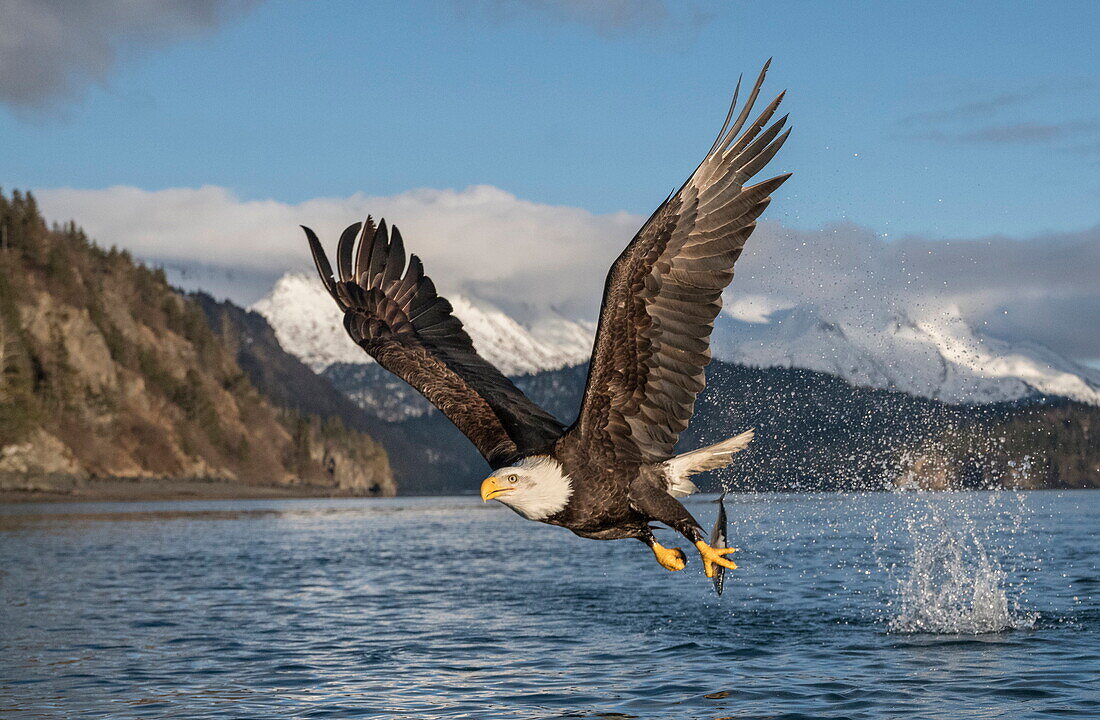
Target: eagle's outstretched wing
x,y
394,313
664,291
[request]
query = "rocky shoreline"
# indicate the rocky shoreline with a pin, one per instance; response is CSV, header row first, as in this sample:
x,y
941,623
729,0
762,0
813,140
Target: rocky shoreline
x,y
68,488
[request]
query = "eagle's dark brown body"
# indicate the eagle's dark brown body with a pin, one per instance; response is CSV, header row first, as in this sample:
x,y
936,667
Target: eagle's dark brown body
x,y
600,505
652,346
617,501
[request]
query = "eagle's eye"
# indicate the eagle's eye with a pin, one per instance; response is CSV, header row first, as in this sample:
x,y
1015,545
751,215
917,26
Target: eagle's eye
x,y
513,479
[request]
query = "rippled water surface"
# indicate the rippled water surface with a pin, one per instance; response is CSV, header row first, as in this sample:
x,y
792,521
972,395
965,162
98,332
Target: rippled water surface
x,y
858,606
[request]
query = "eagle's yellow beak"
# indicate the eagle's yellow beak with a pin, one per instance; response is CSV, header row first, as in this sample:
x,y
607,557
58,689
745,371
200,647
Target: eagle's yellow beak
x,y
494,487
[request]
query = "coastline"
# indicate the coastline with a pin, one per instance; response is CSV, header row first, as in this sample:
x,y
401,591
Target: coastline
x,y
116,490
152,489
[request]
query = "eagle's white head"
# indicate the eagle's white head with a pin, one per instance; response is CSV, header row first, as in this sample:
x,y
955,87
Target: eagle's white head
x,y
536,487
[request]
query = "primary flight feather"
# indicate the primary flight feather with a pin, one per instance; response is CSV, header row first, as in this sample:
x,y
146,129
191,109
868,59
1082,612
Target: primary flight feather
x,y
613,472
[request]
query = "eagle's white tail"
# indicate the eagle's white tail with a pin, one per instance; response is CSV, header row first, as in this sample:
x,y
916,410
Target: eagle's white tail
x,y
679,469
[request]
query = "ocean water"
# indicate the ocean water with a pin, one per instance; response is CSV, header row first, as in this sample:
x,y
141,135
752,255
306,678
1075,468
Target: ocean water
x,y
914,605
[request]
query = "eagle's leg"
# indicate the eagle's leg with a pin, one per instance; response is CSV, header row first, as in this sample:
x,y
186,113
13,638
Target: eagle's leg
x,y
670,558
659,505
713,556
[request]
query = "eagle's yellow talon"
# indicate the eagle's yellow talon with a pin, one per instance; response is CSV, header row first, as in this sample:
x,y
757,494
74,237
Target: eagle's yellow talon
x,y
713,556
670,558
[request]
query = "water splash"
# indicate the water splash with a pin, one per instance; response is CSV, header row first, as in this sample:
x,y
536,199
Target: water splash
x,y
954,583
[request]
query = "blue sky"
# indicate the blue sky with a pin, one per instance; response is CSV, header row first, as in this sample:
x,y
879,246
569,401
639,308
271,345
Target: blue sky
x,y
519,144
946,120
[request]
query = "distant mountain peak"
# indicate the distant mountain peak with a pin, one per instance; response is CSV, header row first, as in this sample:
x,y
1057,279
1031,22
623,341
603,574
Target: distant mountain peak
x,y
932,354
936,354
307,323
310,326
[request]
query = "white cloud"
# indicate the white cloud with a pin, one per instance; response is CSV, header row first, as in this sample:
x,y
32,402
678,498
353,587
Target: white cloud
x,y
753,308
514,251
51,49
520,255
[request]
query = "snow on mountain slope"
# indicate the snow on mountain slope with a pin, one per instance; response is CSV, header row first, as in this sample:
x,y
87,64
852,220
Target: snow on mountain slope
x,y
937,355
309,325
547,343
934,355
307,322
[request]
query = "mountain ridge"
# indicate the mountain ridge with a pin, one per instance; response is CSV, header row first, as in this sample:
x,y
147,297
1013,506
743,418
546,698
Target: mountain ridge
x,y
933,355
308,325
814,431
815,428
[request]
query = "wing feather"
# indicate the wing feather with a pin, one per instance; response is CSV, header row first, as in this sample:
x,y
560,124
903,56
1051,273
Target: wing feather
x,y
324,269
392,310
664,291
345,248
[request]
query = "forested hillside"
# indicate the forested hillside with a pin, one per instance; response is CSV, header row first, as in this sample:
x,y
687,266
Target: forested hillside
x,y
110,375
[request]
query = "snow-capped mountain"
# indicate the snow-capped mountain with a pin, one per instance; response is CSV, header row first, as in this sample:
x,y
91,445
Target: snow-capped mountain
x,y
309,325
938,355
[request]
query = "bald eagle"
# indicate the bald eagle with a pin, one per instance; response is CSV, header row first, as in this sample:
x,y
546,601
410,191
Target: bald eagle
x,y
613,472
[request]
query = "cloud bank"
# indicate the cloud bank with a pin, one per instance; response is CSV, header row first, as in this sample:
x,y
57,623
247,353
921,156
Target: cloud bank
x,y
519,253
51,49
1038,289
514,251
